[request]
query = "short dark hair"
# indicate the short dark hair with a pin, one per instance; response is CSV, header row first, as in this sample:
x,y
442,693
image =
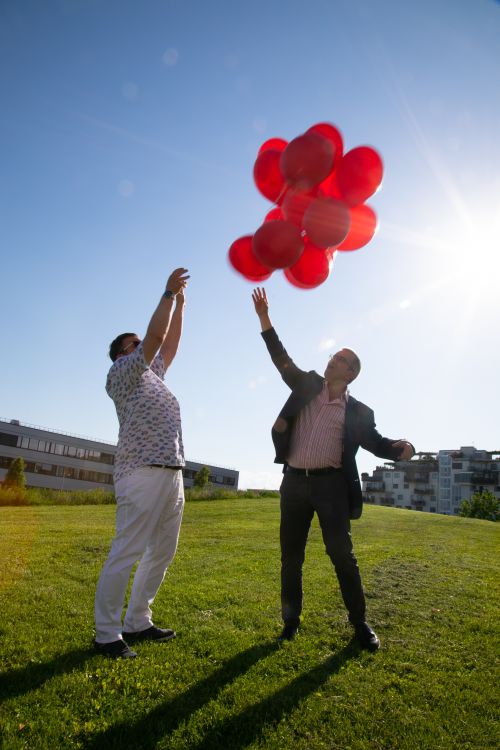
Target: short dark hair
x,y
116,345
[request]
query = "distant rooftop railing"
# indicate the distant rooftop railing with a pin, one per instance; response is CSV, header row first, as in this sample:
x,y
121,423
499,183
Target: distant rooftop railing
x,y
18,423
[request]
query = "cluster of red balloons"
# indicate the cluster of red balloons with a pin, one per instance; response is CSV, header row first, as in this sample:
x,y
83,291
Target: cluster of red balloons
x,y
320,195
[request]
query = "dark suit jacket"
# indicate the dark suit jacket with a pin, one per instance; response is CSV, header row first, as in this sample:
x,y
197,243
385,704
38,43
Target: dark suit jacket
x,y
359,429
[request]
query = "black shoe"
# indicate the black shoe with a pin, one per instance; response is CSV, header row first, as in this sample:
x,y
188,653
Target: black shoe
x,y
288,633
152,634
366,637
116,649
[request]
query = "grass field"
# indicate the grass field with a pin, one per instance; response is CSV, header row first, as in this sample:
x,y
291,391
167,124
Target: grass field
x,y
224,683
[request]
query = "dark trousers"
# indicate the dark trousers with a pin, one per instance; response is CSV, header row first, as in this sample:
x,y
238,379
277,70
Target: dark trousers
x,y
301,496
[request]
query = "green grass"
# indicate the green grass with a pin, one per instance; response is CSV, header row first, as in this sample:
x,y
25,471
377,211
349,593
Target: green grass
x,y
431,586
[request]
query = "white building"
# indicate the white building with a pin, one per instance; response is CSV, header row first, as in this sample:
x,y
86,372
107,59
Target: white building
x,y
434,482
59,460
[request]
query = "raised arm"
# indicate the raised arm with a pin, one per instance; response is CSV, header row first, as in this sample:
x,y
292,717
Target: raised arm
x,y
262,308
288,370
170,345
159,323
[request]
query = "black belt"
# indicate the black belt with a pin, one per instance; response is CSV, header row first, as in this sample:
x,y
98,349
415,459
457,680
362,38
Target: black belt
x,y
313,472
165,466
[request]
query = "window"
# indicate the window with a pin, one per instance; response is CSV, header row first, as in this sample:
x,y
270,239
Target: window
x,y
7,439
44,469
107,458
33,444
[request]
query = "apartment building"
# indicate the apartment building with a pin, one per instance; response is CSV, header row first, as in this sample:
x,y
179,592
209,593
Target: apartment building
x,y
434,482
60,460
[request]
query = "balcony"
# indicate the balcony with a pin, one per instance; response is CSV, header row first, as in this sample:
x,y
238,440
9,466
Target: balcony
x,y
484,477
375,487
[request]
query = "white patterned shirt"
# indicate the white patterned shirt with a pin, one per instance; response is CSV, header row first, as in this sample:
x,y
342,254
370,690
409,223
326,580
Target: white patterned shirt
x,y
317,435
148,414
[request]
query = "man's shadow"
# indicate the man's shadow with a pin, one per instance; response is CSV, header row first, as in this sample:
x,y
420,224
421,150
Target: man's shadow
x,y
236,732
22,680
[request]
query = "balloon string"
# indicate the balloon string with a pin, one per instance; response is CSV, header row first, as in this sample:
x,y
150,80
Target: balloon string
x,y
281,194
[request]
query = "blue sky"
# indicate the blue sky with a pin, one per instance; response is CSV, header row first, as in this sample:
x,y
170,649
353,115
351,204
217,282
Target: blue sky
x,y
128,136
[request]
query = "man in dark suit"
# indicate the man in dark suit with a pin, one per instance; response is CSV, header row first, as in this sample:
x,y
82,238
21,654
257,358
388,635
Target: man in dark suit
x,y
316,437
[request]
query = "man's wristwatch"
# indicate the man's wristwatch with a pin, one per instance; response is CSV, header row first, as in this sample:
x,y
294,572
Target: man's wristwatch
x,y
168,294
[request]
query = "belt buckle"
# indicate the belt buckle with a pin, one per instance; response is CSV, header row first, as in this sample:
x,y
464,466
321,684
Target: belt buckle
x,y
307,472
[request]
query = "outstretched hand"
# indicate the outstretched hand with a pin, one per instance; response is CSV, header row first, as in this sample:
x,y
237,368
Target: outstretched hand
x,y
260,301
406,449
177,280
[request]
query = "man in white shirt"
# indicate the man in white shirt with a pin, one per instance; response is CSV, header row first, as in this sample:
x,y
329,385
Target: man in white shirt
x,y
147,476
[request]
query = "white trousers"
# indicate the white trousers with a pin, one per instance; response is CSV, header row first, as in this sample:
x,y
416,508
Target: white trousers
x,y
150,502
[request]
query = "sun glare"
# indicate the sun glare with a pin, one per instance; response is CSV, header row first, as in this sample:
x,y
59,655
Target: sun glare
x,y
462,254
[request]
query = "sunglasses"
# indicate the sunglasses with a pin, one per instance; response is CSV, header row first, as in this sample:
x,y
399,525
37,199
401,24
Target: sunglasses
x,y
134,343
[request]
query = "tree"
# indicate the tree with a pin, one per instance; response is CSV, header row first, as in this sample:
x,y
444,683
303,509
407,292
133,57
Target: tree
x,y
201,477
481,505
15,475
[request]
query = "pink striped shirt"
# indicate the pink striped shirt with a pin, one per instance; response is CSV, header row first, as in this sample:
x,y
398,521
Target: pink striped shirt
x,y
317,435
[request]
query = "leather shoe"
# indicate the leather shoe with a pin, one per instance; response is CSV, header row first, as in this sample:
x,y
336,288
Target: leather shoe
x,y
288,633
152,634
116,649
366,637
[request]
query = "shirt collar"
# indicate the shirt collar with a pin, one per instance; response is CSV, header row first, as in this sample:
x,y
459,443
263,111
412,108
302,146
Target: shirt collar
x,y
343,397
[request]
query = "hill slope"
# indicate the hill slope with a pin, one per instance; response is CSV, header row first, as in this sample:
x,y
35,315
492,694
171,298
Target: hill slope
x,y
432,589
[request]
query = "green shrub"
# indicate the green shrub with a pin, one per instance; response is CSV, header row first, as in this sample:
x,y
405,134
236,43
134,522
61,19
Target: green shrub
x,y
15,474
481,505
13,496
46,496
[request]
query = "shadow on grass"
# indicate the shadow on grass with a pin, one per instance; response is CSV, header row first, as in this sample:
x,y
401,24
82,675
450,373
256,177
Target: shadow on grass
x,y
25,679
236,732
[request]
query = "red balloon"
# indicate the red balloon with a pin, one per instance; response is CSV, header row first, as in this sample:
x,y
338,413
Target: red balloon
x,y
295,204
277,143
329,187
275,214
359,174
267,175
363,227
329,131
326,222
243,260
312,268
307,160
277,244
